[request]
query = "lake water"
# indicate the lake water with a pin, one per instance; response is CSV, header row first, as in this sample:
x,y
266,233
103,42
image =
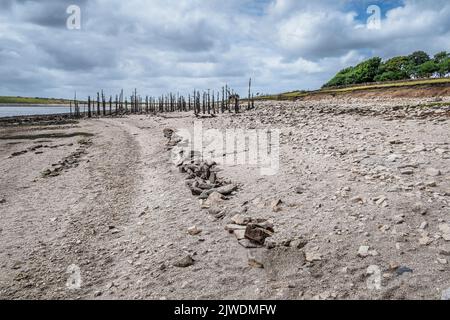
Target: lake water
x,y
31,110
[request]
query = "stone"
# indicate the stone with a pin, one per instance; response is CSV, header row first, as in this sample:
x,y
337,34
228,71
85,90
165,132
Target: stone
x,y
424,225
444,250
407,172
442,261
257,233
299,190
248,244
97,293
419,208
425,240
276,205
298,243
393,157
2,200
193,231
313,256
399,219
402,270
240,220
433,172
364,251
214,199
226,190
232,227
184,262
239,234
444,228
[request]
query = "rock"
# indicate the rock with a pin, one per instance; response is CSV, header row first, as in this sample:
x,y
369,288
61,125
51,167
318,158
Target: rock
x,y
357,199
184,262
444,228
232,227
239,234
241,220
393,157
2,200
300,190
313,256
298,243
446,295
97,293
258,232
431,184
276,205
227,190
193,231
444,250
407,172
403,270
424,225
442,261
425,240
214,199
364,251
433,172
419,208
196,191
248,244
399,219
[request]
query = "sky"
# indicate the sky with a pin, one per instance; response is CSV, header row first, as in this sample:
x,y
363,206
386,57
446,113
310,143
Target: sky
x,y
160,46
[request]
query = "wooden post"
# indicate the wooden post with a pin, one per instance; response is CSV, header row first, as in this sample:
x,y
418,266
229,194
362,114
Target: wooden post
x,y
89,107
249,94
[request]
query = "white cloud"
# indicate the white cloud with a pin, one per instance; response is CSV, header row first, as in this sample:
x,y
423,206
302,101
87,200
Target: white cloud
x,y
176,45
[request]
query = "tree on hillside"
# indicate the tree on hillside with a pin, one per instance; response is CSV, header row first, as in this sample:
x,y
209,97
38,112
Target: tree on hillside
x,y
444,67
441,56
362,73
396,68
427,69
419,57
416,65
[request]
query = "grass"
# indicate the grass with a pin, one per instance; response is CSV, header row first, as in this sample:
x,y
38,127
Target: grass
x,y
28,100
399,84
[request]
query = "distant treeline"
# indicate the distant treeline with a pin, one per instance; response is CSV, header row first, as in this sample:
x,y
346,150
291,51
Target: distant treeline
x,y
417,65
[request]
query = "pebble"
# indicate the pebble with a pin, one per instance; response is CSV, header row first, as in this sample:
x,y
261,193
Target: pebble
x,y
193,231
313,256
424,225
184,262
364,251
444,228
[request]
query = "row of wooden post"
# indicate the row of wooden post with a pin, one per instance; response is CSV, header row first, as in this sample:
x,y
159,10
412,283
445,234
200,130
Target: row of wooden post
x,y
206,102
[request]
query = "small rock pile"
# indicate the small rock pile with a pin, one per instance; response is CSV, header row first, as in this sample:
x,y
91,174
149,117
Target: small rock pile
x,y
203,181
251,233
70,161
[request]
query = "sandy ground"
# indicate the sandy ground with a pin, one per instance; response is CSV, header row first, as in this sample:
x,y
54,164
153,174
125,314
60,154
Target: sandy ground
x,y
102,199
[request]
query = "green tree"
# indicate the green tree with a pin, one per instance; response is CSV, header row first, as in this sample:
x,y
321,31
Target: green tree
x,y
444,67
418,58
441,56
427,69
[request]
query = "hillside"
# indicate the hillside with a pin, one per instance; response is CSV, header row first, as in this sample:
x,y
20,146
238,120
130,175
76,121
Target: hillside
x,y
411,88
28,100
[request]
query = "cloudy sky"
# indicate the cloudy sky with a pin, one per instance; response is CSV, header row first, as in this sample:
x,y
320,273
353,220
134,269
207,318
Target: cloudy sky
x,y
178,45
